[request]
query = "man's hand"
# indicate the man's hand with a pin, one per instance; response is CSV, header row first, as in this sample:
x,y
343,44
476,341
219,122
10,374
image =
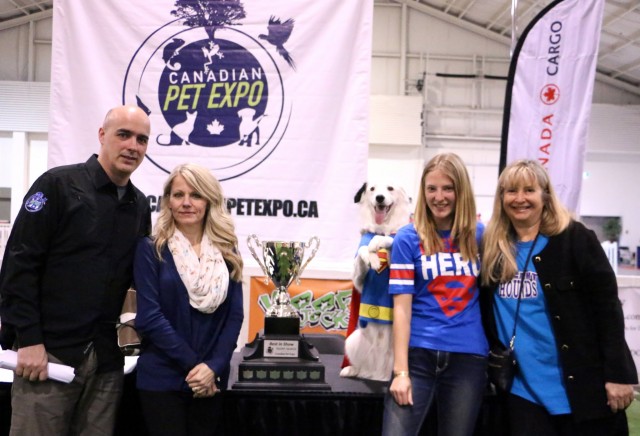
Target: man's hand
x,y
32,363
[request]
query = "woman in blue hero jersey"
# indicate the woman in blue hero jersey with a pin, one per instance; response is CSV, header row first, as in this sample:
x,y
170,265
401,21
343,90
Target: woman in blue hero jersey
x,y
439,343
575,370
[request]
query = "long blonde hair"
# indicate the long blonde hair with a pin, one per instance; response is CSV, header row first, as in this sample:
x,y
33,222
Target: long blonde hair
x,y
217,225
499,242
463,230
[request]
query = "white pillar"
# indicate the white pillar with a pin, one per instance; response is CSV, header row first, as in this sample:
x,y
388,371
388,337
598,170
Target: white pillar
x,y
19,172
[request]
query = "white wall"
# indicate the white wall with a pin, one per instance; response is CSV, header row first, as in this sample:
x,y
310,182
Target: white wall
x,y
607,192
465,115
460,115
5,163
612,169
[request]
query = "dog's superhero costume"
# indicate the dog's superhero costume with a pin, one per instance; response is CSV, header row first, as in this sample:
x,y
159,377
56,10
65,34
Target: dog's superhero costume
x,y
373,304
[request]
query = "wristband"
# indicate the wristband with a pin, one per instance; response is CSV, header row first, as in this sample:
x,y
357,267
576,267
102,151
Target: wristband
x,y
401,374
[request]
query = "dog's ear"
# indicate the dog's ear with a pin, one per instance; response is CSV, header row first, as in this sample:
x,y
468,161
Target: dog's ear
x,y
404,194
358,196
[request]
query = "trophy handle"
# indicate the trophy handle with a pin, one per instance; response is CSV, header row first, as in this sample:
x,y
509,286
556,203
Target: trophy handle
x,y
313,253
255,239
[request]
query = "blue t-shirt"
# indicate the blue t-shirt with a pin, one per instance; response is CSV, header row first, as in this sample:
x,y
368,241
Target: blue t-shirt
x,y
539,376
445,313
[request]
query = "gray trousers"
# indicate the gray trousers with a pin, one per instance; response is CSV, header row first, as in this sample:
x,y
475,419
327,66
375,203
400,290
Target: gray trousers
x,y
86,406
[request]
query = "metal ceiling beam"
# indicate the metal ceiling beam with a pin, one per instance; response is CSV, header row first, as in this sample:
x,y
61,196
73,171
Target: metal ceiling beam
x,y
497,17
531,10
615,18
466,9
20,8
448,6
429,10
38,4
624,69
604,78
479,30
630,40
15,22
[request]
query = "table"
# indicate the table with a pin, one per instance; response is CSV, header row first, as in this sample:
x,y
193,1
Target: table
x,y
352,407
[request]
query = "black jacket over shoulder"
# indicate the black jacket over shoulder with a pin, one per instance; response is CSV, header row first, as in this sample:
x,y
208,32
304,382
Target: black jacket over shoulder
x,y
69,262
586,316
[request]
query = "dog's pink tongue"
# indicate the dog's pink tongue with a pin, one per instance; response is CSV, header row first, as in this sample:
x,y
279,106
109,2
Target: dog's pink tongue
x,y
380,214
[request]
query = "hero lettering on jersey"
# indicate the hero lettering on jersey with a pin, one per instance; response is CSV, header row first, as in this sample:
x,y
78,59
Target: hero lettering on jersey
x,y
452,280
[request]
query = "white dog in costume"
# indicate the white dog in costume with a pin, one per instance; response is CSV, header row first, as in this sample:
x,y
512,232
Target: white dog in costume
x,y
369,352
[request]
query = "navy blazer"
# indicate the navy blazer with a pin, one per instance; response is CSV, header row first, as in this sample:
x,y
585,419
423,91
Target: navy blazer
x,y
177,337
586,316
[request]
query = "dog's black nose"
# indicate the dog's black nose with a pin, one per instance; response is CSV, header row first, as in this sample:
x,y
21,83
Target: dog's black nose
x,y
379,198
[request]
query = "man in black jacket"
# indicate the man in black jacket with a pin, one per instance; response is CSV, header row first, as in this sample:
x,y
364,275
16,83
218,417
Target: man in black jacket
x,y
67,266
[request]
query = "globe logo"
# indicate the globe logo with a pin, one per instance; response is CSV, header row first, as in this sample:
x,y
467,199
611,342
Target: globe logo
x,y
218,88
219,101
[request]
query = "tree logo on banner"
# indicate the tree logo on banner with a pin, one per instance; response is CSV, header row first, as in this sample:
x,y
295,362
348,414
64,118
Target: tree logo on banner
x,y
215,93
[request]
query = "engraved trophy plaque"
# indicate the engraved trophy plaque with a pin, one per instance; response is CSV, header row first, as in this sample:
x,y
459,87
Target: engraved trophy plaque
x,y
281,358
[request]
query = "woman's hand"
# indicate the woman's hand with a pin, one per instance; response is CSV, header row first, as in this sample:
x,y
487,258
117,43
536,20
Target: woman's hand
x,y
401,384
208,392
619,397
201,380
401,390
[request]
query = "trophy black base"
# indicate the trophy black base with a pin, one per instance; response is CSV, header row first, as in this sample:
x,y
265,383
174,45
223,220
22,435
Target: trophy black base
x,y
281,374
281,362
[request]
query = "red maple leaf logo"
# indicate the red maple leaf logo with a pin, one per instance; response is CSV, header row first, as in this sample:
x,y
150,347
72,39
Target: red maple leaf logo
x,y
550,94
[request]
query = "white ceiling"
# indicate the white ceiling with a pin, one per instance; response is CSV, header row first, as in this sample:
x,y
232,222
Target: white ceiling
x,y
619,54
13,12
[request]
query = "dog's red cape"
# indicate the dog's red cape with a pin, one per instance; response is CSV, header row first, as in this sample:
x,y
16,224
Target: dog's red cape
x,y
353,320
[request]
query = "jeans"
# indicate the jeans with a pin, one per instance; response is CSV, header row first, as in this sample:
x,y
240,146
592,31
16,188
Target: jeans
x,y
456,381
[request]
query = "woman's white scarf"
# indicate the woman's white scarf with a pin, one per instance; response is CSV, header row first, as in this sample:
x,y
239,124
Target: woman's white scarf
x,y
207,278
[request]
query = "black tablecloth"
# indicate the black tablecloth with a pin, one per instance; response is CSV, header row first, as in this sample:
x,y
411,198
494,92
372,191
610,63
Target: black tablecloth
x,y
352,407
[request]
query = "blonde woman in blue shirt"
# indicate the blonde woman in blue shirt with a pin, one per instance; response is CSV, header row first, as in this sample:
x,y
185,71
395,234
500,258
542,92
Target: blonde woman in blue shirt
x,y
439,345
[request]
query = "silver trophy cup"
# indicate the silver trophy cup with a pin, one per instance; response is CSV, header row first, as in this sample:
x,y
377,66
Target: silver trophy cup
x,y
282,262
280,357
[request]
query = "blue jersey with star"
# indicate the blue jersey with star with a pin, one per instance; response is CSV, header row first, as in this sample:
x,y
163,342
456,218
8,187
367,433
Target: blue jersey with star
x,y
445,312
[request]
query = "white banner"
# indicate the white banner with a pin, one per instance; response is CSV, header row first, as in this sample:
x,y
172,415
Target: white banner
x,y
272,96
630,299
548,100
